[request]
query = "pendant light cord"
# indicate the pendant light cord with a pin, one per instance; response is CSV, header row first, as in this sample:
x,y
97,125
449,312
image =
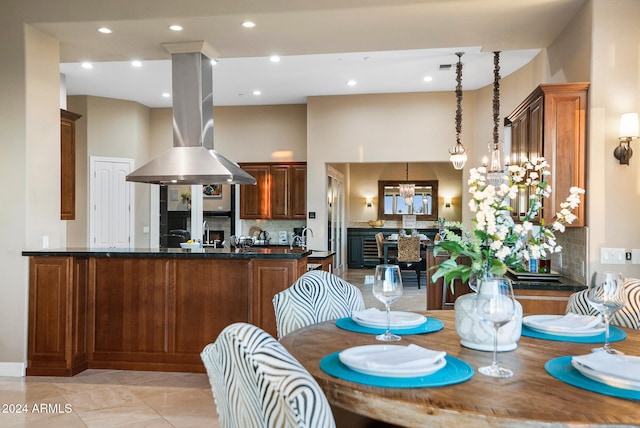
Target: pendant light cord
x,y
459,97
496,98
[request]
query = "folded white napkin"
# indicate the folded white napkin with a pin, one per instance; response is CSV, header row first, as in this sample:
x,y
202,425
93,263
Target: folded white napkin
x,y
617,365
376,316
570,321
405,357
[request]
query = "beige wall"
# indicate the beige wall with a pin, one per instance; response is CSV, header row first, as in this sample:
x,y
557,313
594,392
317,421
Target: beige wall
x,y
115,129
363,183
376,128
614,189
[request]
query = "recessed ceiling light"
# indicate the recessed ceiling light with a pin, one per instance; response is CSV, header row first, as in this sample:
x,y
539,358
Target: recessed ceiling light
x,y
427,78
248,24
274,58
105,30
166,95
257,92
352,82
175,27
136,63
87,65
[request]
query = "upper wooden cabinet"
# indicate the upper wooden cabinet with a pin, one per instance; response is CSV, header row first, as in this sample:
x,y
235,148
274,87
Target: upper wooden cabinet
x,y
68,164
280,191
552,122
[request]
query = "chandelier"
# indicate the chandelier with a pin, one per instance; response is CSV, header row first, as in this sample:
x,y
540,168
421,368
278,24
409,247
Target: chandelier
x,y
407,190
458,154
495,172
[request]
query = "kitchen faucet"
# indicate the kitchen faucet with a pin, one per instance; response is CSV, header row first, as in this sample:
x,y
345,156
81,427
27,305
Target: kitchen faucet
x,y
301,239
205,231
303,235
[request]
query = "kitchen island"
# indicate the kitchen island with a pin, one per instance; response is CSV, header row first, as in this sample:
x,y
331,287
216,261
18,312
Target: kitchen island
x,y
140,309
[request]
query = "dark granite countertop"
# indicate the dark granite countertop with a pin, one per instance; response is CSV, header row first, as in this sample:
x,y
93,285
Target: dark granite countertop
x,y
321,255
175,253
561,284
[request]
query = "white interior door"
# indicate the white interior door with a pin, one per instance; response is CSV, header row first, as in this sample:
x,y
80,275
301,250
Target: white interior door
x,y
111,200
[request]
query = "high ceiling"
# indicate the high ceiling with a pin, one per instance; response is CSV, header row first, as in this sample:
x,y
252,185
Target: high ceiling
x,y
385,45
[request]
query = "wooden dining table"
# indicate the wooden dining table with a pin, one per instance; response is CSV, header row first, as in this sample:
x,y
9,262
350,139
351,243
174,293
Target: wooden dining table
x,y
531,398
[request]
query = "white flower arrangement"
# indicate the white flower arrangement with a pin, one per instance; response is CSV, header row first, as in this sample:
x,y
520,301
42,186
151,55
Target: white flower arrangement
x,y
497,241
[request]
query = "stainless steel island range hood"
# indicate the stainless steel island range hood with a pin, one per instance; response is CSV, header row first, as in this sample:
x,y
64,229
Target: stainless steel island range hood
x,y
192,160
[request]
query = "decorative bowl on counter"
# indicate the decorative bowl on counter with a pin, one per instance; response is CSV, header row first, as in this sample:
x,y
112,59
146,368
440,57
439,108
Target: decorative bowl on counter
x,y
190,245
376,223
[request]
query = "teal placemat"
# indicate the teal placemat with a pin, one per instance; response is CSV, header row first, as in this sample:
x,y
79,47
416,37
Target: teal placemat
x,y
429,326
456,371
561,369
615,335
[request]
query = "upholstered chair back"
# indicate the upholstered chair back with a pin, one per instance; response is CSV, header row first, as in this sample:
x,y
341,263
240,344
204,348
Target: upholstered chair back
x,y
629,316
408,248
315,297
257,383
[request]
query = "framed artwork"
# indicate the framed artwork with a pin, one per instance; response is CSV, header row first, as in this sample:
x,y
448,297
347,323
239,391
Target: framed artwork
x,y
212,191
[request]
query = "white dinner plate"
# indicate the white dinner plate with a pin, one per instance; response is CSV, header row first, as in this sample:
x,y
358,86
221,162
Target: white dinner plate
x,y
387,371
409,320
559,331
606,378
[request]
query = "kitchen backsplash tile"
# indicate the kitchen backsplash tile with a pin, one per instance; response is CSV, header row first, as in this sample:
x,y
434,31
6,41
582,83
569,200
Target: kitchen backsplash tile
x,y
574,254
271,226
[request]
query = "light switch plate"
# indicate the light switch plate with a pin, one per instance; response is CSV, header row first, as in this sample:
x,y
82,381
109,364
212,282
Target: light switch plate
x,y
635,256
612,256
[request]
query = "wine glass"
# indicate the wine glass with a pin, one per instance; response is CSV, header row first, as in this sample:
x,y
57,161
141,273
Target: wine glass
x,y
606,295
495,305
387,288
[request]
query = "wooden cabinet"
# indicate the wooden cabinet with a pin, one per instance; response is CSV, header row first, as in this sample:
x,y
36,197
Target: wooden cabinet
x,y
298,191
327,264
145,313
435,289
280,191
255,200
552,122
542,301
273,278
68,164
57,343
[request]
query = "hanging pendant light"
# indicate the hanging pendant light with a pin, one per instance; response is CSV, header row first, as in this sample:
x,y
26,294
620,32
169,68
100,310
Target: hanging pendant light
x,y
495,173
407,190
458,154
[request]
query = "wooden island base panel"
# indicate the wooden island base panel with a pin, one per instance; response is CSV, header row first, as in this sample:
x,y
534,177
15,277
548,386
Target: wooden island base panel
x,y
146,310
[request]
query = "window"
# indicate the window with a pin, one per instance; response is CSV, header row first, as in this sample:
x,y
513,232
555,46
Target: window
x,y
424,204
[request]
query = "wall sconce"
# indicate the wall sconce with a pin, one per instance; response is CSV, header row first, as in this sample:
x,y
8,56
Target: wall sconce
x,y
368,202
628,132
447,203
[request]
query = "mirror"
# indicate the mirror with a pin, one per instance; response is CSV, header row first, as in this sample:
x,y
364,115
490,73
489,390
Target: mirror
x,y
391,206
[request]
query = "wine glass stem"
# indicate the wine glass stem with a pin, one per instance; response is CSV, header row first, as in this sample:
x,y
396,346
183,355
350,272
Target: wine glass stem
x,y
606,345
388,318
495,346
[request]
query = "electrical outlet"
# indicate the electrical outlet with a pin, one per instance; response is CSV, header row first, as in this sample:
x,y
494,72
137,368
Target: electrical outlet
x,y
612,256
635,256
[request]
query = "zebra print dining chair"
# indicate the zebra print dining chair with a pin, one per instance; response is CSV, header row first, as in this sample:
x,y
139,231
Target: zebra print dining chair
x,y
315,297
257,383
629,316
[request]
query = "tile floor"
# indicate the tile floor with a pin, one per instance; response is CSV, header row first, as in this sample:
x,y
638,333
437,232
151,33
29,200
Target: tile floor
x,y
113,398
